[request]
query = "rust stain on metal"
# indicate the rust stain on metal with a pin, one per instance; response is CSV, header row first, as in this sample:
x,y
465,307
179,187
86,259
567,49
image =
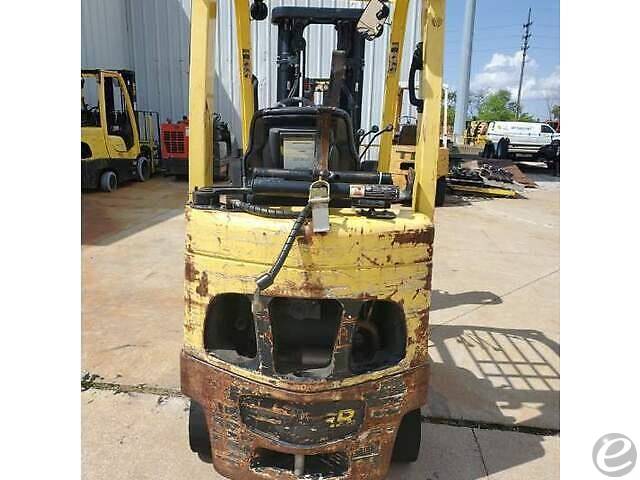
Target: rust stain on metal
x,y
294,412
314,288
245,416
420,334
189,325
427,280
307,235
395,291
372,260
190,272
203,285
414,237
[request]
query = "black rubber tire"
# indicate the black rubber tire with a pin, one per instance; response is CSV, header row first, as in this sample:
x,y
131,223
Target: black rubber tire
x,y
108,181
489,150
407,445
199,440
441,190
502,149
143,169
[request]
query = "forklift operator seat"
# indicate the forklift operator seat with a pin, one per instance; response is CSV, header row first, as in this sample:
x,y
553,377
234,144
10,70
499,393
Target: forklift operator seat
x,y
291,138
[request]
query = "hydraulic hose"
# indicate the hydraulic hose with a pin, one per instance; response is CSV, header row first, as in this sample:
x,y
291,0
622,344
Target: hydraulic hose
x,y
266,279
262,211
386,129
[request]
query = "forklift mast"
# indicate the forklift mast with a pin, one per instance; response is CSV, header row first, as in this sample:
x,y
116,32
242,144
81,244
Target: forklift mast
x,y
292,54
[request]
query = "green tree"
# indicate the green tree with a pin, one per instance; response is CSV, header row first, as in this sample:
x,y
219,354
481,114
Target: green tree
x,y
496,106
499,106
451,108
555,111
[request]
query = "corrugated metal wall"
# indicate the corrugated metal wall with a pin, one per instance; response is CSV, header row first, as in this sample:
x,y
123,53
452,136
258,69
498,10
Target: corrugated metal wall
x,y
160,46
152,38
148,36
104,36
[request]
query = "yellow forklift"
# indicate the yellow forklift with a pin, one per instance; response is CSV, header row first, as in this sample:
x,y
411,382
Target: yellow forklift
x,y
111,149
402,146
307,285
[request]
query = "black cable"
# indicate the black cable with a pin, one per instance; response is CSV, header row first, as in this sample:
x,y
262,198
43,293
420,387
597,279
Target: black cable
x,y
364,135
388,128
262,211
266,279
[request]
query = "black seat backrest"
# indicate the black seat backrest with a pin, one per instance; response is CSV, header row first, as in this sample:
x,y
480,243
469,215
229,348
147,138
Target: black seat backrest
x,y
271,127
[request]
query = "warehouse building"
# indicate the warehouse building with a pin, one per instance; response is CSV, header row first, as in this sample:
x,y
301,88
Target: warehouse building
x,y
151,37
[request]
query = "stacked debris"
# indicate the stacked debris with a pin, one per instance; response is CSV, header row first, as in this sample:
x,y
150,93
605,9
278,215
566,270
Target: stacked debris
x,y
486,180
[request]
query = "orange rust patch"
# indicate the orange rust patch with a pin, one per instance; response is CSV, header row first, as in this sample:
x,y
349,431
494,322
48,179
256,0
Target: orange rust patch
x,y
203,286
234,444
307,235
414,237
190,272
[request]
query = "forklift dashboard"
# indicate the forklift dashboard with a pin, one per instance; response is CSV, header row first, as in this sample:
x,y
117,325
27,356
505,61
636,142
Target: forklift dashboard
x,y
298,148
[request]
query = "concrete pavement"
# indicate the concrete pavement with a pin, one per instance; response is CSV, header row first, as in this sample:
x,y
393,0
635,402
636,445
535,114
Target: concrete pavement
x,y
494,340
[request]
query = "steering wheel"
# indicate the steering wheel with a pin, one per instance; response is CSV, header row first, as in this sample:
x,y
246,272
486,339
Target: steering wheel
x,y
289,102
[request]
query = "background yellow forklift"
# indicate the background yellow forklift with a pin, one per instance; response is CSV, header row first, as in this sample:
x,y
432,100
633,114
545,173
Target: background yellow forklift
x,y
405,128
112,150
307,285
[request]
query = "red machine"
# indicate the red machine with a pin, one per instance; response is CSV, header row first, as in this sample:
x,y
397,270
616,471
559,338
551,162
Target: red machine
x,y
174,143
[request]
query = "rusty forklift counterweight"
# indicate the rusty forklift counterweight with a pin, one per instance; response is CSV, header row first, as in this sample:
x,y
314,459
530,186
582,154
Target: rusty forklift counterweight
x,y
307,284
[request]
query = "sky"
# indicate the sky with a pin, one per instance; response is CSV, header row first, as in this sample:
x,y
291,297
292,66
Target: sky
x,y
497,52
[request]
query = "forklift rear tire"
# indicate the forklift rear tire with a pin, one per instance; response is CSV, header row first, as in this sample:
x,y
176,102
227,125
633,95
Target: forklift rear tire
x,y
407,446
199,441
441,189
144,169
108,181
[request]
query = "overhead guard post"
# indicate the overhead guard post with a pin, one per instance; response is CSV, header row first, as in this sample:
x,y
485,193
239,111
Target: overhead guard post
x,y
201,88
428,142
392,79
245,66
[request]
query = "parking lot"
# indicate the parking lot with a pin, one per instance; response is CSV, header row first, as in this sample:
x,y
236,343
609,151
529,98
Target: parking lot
x,y
494,400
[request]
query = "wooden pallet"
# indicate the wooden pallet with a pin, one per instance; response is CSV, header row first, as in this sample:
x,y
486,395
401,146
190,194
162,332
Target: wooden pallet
x,y
403,157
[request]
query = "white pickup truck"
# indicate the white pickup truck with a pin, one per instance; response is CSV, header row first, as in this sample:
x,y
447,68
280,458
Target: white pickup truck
x,y
525,138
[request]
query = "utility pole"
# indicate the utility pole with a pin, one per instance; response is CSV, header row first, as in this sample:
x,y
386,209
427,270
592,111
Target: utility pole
x,y
465,73
525,46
